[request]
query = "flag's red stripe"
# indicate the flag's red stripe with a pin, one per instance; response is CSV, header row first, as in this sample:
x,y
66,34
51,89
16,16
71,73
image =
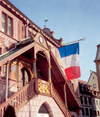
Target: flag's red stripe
x,y
72,72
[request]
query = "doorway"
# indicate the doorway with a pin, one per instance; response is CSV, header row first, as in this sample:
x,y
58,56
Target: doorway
x,y
43,112
25,76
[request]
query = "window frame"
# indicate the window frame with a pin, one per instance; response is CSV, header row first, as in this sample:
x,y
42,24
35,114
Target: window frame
x,y
5,30
83,111
87,111
10,25
94,86
85,99
7,17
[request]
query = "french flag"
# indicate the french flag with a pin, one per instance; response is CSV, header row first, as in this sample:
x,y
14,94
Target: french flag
x,y
70,59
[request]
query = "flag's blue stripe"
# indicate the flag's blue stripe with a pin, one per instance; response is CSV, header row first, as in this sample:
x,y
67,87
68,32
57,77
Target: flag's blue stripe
x,y
69,50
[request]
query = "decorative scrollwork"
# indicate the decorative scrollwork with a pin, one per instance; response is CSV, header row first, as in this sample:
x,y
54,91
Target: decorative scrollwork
x,y
44,88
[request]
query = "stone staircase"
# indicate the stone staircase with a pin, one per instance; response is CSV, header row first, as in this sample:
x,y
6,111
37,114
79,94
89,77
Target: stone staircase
x,y
34,87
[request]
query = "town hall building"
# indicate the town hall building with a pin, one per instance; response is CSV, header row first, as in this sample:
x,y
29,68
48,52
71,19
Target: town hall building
x,y
32,78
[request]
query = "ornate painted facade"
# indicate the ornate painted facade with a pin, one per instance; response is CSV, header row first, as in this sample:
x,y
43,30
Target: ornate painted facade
x,y
32,78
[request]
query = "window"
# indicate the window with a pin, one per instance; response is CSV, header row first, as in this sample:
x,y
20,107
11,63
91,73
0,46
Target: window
x,y
82,88
85,100
95,113
96,102
81,100
89,101
9,26
83,113
98,113
90,112
87,113
6,24
94,85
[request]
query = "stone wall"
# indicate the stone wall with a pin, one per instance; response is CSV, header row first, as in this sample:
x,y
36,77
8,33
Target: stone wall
x,y
32,107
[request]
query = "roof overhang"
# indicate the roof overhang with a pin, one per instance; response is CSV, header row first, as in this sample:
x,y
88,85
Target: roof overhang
x,y
19,49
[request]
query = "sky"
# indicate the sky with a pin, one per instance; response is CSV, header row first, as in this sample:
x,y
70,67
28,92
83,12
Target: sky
x,y
71,20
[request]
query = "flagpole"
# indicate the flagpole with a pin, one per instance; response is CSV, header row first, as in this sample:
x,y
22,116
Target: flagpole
x,y
74,42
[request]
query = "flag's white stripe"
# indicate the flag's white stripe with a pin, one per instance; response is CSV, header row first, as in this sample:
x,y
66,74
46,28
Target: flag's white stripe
x,y
70,61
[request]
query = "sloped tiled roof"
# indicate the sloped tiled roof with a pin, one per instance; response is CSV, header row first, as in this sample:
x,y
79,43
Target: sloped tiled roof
x,y
82,81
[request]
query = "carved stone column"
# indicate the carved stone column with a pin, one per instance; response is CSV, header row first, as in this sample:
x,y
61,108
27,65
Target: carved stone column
x,y
7,76
34,69
49,74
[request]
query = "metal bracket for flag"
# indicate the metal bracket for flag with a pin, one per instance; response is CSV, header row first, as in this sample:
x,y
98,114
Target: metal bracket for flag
x,y
73,42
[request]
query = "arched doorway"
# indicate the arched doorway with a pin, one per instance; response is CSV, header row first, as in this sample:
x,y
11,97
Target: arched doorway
x,y
43,112
25,76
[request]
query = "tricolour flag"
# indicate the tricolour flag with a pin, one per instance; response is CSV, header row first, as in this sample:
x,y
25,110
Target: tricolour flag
x,y
70,60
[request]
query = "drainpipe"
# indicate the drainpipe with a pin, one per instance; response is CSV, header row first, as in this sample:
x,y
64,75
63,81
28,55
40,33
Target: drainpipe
x,y
7,75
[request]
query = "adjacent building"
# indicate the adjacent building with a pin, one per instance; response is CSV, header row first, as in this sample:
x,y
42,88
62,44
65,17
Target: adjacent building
x,y
88,98
93,81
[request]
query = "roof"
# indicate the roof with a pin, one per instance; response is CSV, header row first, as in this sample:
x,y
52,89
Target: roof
x,y
91,74
31,24
82,81
20,48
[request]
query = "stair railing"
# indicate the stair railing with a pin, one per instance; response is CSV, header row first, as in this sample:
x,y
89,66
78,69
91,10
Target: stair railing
x,y
20,98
